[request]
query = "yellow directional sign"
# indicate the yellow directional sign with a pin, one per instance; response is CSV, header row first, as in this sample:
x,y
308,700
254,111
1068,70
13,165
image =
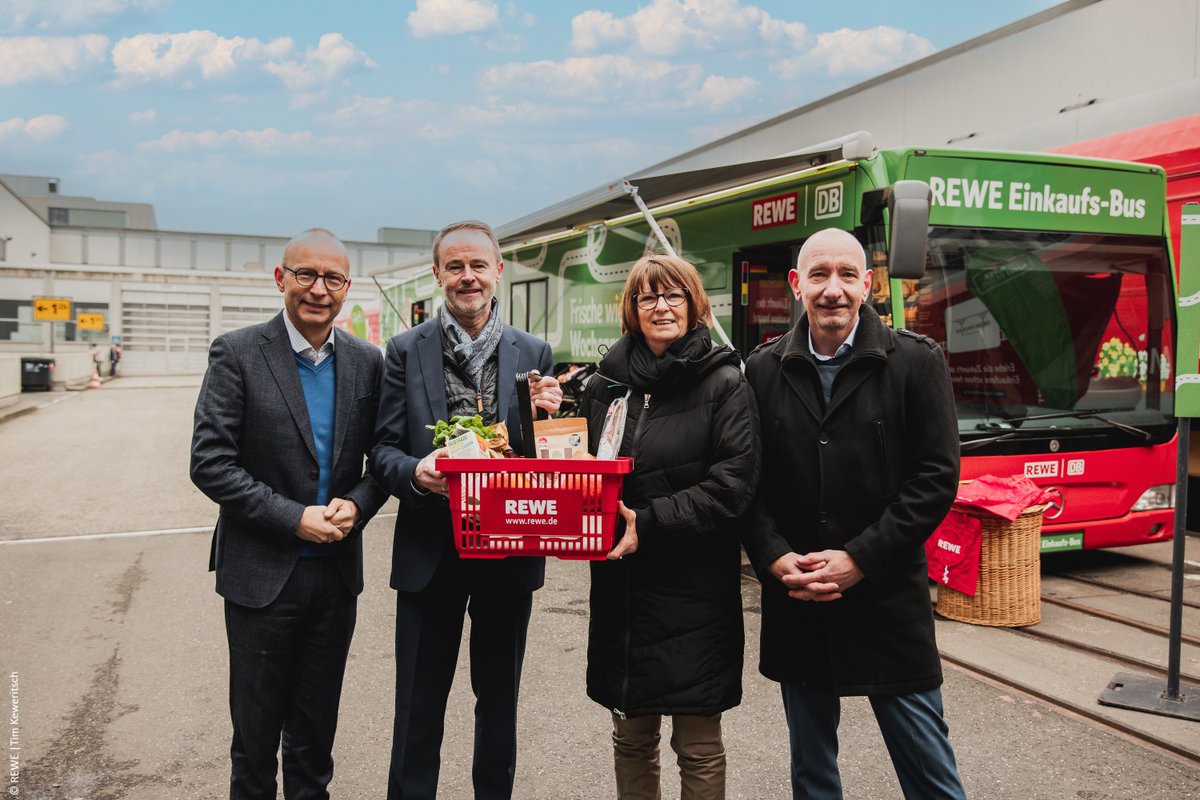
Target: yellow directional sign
x,y
90,322
52,308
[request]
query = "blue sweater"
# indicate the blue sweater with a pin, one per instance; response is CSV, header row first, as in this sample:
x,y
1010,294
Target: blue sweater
x,y
319,395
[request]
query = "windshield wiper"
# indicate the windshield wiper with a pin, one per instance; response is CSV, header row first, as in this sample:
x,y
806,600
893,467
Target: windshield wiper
x,y
1132,430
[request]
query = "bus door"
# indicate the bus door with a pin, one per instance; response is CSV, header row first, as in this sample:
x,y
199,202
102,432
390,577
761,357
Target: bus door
x,y
763,305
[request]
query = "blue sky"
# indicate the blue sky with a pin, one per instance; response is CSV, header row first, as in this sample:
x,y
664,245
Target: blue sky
x,y
268,117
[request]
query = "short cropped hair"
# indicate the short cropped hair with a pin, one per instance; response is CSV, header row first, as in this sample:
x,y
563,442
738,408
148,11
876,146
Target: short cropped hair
x,y
465,225
660,272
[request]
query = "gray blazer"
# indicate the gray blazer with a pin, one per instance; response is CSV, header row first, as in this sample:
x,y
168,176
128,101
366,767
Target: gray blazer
x,y
253,454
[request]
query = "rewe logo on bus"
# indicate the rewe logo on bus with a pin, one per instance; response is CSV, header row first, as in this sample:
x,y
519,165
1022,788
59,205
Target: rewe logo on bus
x,y
1024,196
1041,469
772,211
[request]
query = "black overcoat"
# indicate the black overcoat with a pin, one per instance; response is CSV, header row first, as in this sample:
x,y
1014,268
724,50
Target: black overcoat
x,y
873,474
665,634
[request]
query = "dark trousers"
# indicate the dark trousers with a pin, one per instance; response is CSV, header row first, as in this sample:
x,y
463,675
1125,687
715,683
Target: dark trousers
x,y
429,628
913,729
286,663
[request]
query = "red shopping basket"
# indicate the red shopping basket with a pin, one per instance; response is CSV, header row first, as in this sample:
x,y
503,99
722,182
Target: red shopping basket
x,y
534,506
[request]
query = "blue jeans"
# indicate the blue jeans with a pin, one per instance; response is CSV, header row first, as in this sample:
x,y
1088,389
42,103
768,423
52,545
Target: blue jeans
x,y
913,729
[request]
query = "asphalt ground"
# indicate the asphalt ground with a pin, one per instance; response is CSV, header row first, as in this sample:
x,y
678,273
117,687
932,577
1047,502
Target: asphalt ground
x,y
118,651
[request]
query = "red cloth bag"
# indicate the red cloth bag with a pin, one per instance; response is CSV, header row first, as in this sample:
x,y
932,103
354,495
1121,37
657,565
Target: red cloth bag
x,y
1004,497
953,552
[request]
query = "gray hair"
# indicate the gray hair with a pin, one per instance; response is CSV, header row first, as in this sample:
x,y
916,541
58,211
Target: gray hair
x,y
465,225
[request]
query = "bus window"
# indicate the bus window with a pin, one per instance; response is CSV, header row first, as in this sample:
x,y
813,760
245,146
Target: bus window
x,y
1042,323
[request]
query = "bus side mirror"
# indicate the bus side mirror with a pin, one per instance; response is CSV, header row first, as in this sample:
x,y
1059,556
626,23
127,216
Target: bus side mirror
x,y
908,212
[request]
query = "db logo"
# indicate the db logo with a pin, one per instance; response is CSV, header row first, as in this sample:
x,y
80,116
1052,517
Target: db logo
x,y
828,201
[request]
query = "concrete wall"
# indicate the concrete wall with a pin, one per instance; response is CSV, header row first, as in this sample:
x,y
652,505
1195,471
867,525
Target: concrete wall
x,y
28,237
10,380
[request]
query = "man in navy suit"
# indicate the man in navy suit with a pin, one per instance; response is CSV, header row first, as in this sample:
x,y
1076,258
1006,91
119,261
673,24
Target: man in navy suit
x,y
284,420
462,362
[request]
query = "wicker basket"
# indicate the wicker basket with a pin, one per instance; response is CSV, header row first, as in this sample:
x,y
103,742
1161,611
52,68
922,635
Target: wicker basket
x,y
1009,591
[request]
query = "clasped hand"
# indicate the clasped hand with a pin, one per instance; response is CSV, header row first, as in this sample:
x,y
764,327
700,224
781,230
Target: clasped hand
x,y
820,577
328,523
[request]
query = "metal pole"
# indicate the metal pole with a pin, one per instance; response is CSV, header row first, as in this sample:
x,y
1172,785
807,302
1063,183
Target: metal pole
x,y
633,192
1176,626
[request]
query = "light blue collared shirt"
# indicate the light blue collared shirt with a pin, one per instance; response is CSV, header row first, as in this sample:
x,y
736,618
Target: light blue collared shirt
x,y
306,350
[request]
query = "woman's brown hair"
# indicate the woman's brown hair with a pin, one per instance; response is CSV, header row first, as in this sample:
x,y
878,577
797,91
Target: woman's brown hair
x,y
659,272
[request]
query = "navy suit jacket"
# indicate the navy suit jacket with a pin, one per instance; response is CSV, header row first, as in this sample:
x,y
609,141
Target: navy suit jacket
x,y
254,455
413,396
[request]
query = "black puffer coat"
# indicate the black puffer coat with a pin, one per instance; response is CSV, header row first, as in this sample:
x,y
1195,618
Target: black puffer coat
x,y
666,631
873,474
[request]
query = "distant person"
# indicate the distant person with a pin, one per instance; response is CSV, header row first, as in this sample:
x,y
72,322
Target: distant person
x,y
114,358
666,635
464,361
860,464
284,420
97,359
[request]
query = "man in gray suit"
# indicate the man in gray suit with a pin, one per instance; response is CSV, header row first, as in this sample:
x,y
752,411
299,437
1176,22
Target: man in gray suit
x,y
284,420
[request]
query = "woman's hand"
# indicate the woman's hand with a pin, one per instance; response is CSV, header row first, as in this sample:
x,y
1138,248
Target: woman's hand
x,y
629,542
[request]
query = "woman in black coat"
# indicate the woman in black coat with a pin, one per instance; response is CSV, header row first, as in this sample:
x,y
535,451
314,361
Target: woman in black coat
x,y
666,616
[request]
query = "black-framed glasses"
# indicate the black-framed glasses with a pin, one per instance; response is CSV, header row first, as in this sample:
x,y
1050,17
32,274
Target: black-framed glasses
x,y
307,277
647,301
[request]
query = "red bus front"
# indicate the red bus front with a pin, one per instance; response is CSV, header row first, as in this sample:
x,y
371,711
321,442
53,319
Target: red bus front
x,y
1060,353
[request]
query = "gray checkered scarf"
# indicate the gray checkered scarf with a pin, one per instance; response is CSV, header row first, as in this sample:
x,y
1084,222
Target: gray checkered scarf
x,y
472,354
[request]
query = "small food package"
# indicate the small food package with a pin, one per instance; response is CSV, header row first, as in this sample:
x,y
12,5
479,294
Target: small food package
x,y
560,438
614,429
465,445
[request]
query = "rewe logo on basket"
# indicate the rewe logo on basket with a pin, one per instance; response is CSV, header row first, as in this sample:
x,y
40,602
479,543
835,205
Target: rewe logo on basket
x,y
531,507
524,510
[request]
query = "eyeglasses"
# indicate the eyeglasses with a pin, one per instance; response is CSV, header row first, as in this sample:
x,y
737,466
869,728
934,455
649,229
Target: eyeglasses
x,y
308,277
674,297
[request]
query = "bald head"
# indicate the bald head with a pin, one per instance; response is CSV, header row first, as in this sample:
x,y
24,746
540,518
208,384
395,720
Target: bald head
x,y
833,239
316,240
831,279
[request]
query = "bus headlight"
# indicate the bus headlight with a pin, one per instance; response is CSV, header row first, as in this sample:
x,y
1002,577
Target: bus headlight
x,y
1156,498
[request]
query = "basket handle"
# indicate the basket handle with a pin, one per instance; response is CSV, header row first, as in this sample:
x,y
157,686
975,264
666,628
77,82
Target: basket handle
x,y
525,410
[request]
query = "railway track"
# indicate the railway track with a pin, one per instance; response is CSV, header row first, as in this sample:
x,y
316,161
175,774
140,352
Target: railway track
x,y
1091,712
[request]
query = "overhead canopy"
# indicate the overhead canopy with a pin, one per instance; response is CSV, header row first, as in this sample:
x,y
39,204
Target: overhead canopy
x,y
611,200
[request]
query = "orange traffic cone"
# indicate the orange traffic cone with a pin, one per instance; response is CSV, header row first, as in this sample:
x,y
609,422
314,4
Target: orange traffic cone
x,y
95,384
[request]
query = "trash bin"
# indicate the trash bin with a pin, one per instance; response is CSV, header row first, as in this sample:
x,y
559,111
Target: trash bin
x,y
37,373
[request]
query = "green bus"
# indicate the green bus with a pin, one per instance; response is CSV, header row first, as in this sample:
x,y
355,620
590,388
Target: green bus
x,y
1046,279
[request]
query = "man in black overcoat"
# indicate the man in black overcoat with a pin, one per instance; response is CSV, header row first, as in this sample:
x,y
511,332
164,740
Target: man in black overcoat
x,y
860,464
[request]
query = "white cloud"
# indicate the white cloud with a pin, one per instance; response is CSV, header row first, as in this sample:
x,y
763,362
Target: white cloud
x,y
55,15
334,56
668,27
852,52
138,117
595,77
266,142
308,99
37,129
364,109
171,56
620,78
28,59
452,17
719,92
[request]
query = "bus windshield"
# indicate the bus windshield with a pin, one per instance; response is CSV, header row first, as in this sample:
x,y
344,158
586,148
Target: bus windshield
x,y
1050,335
